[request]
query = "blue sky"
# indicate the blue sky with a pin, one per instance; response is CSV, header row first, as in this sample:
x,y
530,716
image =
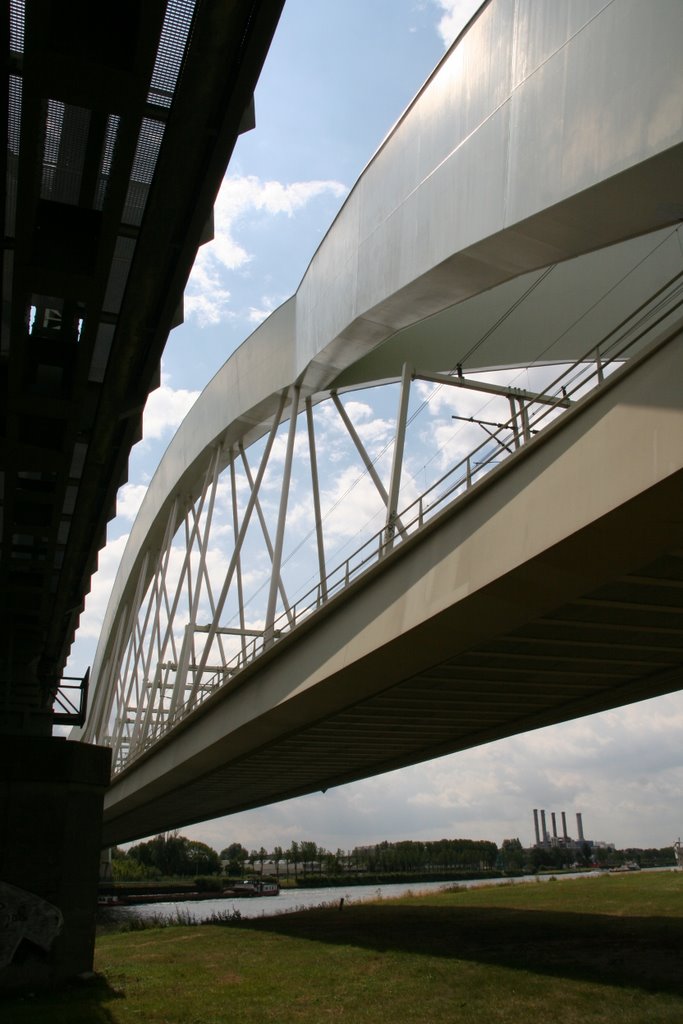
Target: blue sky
x,y
337,77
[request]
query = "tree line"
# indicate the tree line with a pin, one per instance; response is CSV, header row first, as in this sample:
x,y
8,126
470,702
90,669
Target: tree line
x,y
173,855
513,857
306,856
169,855
177,856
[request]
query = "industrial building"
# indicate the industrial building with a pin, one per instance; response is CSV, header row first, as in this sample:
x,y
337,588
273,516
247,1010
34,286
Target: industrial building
x,y
549,839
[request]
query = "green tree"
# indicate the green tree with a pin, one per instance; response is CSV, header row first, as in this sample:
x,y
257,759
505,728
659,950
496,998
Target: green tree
x,y
332,862
202,859
127,869
234,852
309,854
173,854
512,855
234,855
294,856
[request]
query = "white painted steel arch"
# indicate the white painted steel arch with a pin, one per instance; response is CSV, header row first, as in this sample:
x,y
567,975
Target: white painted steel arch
x,y
550,131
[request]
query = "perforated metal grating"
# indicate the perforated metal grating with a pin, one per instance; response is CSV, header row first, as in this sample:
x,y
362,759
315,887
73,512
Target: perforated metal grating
x,y
14,115
146,156
66,139
110,138
13,143
16,26
169,59
53,131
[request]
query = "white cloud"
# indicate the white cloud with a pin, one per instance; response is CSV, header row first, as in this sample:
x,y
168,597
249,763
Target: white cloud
x,y
102,582
129,499
206,300
356,410
257,315
355,507
207,297
274,197
334,443
166,409
456,14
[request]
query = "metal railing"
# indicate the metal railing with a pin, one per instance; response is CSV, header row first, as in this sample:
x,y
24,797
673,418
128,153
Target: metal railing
x,y
71,700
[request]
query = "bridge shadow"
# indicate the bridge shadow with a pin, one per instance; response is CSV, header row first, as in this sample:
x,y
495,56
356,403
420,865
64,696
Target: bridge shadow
x,y
78,1002
631,952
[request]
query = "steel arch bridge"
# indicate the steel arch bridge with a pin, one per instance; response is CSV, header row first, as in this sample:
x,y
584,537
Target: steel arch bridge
x,y
488,231
193,622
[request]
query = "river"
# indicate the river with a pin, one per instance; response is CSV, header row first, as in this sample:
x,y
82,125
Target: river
x,y
301,899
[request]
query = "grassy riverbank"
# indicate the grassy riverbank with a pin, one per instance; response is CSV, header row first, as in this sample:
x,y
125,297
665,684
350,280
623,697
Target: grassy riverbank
x,y
600,950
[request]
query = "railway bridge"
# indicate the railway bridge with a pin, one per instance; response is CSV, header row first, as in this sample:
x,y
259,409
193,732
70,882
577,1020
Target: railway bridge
x,y
524,213
514,249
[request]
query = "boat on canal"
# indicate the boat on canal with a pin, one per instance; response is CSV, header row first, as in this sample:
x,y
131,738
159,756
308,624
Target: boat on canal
x,y
253,887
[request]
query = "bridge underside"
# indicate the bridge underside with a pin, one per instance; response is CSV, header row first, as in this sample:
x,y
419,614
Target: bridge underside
x,y
579,658
481,629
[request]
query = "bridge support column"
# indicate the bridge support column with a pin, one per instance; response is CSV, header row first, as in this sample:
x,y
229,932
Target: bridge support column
x,y
51,795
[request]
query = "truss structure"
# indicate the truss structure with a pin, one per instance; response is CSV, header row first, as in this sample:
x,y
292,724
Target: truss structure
x,y
221,589
285,485
266,533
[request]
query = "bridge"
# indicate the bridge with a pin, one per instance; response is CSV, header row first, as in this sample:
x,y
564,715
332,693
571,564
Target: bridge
x,y
509,219
120,119
523,213
537,592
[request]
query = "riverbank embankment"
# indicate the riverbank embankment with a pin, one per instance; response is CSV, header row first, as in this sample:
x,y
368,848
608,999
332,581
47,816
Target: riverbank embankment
x,y
599,949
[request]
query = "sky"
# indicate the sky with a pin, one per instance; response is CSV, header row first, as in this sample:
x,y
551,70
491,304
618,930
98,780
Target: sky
x,y
336,79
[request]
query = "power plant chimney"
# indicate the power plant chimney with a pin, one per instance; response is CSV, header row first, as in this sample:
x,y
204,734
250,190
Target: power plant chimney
x,y
552,816
538,837
564,826
579,827
544,829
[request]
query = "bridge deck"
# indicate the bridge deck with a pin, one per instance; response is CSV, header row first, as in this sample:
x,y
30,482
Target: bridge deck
x,y
476,628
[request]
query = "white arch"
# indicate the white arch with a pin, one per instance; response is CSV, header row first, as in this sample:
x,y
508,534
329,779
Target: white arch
x,y
549,130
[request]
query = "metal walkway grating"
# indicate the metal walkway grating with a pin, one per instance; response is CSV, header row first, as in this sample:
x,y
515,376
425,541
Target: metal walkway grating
x,y
169,59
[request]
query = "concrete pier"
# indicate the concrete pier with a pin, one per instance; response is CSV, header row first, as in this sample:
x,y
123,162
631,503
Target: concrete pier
x,y
51,794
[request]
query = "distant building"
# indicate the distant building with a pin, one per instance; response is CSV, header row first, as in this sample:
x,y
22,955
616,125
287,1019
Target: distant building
x,y
551,839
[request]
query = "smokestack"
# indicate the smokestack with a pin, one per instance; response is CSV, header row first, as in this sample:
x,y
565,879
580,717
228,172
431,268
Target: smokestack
x,y
538,837
564,826
543,828
552,815
579,826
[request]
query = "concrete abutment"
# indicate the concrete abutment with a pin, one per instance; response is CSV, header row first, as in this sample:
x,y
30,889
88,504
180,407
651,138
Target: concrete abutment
x,y
51,795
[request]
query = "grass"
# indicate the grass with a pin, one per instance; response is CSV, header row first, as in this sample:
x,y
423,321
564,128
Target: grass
x,y
587,951
107,922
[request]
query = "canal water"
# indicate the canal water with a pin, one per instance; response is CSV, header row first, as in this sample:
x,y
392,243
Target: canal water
x,y
301,899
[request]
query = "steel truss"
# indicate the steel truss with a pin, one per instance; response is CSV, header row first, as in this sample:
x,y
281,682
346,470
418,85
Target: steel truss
x,y
213,597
